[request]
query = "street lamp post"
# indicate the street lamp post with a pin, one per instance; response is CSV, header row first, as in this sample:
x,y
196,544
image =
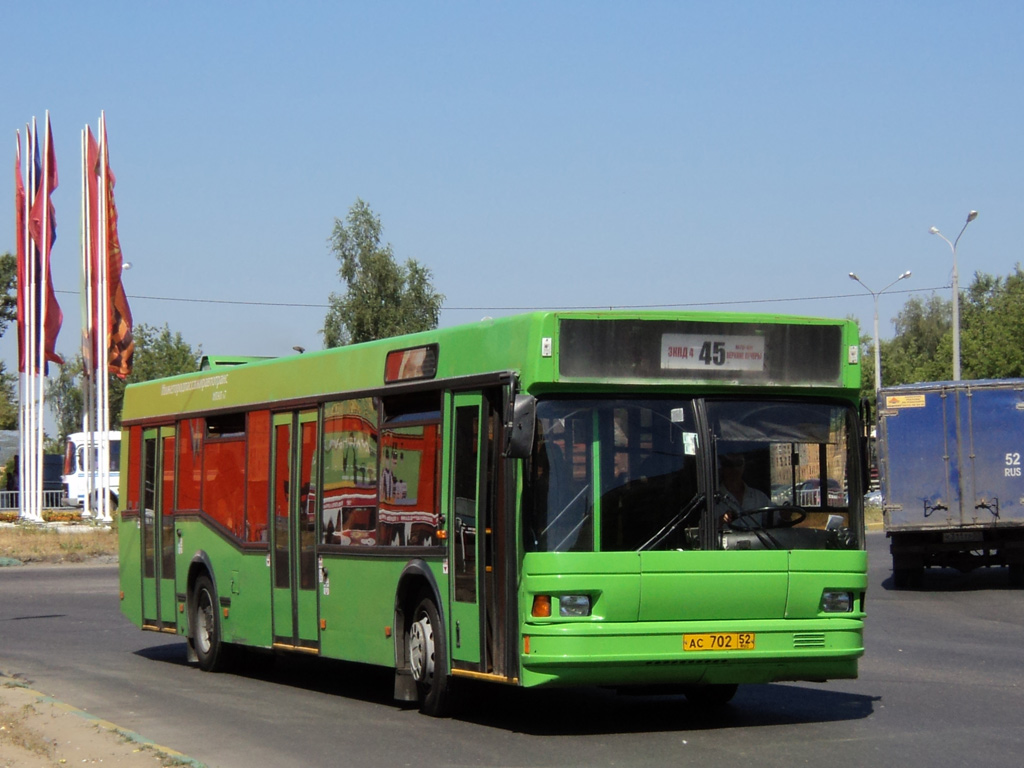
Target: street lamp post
x,y
956,293
875,295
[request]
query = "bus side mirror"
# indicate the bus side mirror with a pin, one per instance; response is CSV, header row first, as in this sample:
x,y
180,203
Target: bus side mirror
x,y
520,433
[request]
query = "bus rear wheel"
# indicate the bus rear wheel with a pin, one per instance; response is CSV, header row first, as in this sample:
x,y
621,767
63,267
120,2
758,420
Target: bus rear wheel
x,y
427,651
206,626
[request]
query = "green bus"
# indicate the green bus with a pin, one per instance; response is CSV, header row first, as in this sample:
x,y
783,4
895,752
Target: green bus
x,y
625,499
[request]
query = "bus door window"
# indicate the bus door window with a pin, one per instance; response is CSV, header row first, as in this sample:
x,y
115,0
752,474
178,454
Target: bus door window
x,y
308,506
282,485
167,508
466,489
149,508
477,530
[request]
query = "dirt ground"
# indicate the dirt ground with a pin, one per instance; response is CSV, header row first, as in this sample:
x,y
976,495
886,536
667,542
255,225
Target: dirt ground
x,y
37,732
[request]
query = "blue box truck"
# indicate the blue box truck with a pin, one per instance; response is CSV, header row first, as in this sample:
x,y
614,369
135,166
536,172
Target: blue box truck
x,y
950,456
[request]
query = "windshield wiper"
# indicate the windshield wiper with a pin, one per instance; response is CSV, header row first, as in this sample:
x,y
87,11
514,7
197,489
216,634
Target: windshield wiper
x,y
672,524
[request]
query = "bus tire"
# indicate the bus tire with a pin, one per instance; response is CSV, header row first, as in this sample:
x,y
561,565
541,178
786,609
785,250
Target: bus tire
x,y
710,696
427,651
206,626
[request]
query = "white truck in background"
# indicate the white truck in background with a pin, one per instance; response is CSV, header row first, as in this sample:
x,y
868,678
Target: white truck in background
x,y
78,466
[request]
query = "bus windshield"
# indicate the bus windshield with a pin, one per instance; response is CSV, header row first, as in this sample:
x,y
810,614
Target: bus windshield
x,y
671,473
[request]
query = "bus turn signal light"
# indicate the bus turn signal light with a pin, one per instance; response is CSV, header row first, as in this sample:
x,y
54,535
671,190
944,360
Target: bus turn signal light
x,y
541,606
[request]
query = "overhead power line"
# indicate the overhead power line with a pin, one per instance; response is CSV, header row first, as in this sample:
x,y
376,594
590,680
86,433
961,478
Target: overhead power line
x,y
237,302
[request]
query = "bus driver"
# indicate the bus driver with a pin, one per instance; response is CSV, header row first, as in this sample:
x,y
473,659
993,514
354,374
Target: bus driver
x,y
734,495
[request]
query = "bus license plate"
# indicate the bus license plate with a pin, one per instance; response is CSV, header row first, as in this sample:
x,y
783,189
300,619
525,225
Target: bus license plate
x,y
719,641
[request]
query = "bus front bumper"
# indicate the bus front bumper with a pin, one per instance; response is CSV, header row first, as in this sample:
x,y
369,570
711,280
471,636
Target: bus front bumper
x,y
641,654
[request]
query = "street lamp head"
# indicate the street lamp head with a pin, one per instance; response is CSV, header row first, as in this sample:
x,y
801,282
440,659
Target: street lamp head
x,y
853,276
905,275
934,231
972,216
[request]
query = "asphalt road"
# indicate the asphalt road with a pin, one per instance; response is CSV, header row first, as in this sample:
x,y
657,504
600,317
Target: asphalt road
x,y
942,684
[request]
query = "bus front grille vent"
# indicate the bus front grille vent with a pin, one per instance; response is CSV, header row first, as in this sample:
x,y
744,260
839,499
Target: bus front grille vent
x,y
809,640
683,662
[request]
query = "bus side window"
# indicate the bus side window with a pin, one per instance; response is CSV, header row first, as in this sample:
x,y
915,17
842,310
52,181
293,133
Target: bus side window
x,y
349,509
409,487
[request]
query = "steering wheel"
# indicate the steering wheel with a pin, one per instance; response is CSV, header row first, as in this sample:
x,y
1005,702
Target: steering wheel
x,y
794,515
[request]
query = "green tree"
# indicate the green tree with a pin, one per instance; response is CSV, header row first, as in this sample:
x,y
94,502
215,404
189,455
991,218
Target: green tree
x,y
383,298
867,367
922,349
64,396
159,352
8,314
992,327
8,399
991,334
8,290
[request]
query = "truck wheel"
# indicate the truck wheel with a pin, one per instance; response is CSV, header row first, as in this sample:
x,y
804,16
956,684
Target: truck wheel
x,y
906,578
1017,575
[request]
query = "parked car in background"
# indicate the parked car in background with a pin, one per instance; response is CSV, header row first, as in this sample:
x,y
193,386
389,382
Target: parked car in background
x,y
808,493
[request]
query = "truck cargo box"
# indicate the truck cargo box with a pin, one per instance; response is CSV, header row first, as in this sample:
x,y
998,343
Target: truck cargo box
x,y
950,465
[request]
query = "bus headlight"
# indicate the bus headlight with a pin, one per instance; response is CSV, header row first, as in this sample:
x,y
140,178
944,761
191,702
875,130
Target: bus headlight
x,y
836,601
568,605
574,605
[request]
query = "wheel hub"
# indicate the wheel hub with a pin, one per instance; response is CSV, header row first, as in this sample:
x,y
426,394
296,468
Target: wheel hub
x,y
421,650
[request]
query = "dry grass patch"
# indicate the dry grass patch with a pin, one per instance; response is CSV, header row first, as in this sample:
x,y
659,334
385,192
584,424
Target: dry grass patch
x,y
46,544
17,733
873,515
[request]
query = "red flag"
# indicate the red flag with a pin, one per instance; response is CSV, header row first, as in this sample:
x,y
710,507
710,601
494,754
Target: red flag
x,y
121,347
44,242
19,226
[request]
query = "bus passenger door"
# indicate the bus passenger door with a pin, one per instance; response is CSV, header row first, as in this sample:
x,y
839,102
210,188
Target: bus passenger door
x,y
475,534
157,522
293,560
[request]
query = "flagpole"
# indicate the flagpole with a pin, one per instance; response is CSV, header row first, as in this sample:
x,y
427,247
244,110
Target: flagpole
x,y
88,332
23,335
28,464
26,495
103,341
44,292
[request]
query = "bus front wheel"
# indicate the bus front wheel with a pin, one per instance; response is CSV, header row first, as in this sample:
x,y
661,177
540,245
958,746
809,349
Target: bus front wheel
x,y
427,652
206,626
711,696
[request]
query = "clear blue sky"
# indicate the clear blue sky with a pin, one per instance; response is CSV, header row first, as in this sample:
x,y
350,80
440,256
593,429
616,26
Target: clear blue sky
x,y
734,155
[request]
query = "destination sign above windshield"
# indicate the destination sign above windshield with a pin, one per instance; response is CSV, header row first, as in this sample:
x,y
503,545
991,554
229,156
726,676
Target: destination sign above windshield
x,y
705,351
700,350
